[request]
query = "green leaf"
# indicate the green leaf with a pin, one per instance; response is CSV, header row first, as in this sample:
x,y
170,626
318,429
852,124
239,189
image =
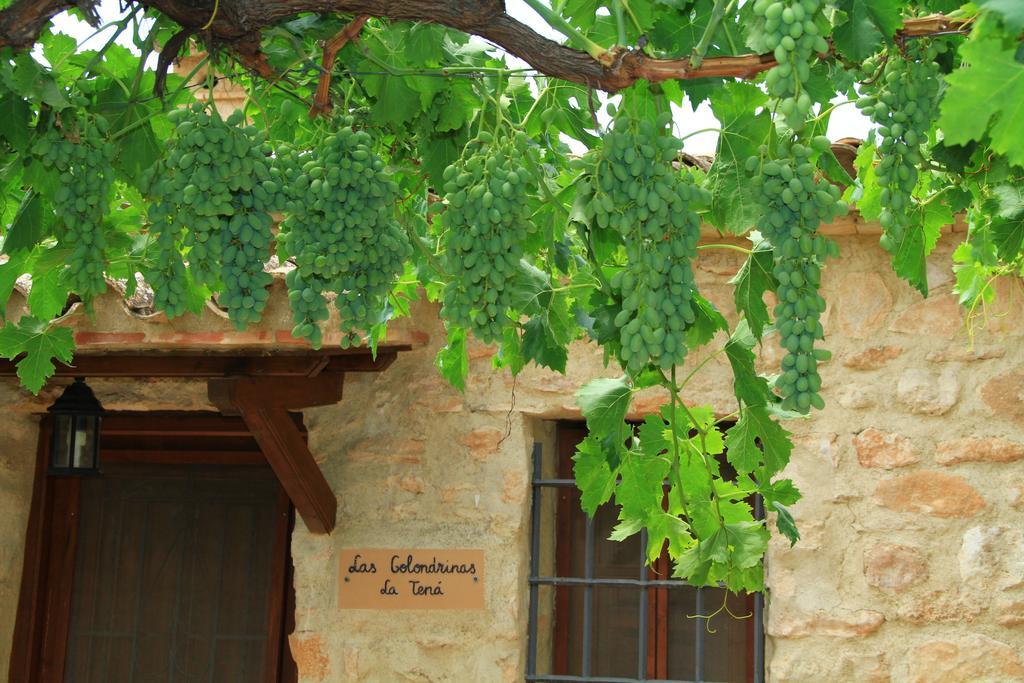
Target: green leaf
x,y
986,96
1008,223
747,543
734,208
510,352
424,44
707,321
640,491
48,296
26,229
540,345
870,24
57,47
869,203
754,439
453,359
594,477
781,491
750,388
786,523
17,265
15,113
604,403
397,103
1012,11
751,282
911,249
40,344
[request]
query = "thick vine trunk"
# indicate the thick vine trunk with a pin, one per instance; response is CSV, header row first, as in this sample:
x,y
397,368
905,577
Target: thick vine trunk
x,y
238,23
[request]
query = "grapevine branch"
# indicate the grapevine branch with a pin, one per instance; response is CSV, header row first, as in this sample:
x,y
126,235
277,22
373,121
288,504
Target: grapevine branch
x,y
322,99
238,23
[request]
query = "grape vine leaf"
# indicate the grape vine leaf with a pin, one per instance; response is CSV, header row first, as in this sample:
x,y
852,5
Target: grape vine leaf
x,y
17,264
911,248
26,229
750,387
604,403
40,344
707,321
1012,11
991,86
733,206
756,437
1008,222
594,477
453,359
16,114
751,282
640,491
869,201
869,24
540,345
47,297
786,523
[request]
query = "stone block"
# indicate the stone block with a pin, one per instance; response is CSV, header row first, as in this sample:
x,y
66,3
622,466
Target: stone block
x,y
862,303
872,358
973,658
833,624
482,443
1004,396
938,316
930,493
928,393
894,567
885,450
990,449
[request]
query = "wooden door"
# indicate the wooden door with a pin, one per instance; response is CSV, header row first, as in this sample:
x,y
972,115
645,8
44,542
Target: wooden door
x,y
173,575
165,567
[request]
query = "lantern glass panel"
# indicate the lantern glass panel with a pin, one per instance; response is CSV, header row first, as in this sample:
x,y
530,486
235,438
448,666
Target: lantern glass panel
x,y
64,436
86,429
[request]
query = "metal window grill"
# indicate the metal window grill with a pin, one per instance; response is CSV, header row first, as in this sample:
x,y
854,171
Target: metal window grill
x,y
588,582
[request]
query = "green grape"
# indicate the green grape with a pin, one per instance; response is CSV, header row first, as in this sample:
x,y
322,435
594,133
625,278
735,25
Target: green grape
x,y
638,193
789,30
485,222
793,204
211,197
902,99
341,232
81,201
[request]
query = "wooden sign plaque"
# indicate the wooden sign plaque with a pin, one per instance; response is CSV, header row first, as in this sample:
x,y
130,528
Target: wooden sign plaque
x,y
376,578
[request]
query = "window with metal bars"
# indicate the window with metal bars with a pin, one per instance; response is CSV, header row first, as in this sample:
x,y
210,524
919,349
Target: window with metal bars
x,y
599,613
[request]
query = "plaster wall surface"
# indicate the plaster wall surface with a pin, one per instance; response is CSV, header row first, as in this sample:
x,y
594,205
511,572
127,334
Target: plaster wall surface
x,y
911,566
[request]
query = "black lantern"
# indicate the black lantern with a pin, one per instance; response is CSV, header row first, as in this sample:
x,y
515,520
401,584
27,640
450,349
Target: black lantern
x,y
75,445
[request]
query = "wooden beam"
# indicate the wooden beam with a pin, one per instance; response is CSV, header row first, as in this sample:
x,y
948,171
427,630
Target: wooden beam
x,y
285,392
193,365
263,403
292,462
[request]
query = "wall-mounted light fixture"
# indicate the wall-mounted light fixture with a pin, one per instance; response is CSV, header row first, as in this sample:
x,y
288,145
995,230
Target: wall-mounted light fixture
x,y
75,446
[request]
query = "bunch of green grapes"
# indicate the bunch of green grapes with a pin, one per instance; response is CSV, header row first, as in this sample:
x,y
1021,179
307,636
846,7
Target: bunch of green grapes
x,y
903,100
341,233
793,205
485,223
789,29
83,158
212,195
640,194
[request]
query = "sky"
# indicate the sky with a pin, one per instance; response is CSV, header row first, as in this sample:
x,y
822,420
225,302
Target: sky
x,y
846,120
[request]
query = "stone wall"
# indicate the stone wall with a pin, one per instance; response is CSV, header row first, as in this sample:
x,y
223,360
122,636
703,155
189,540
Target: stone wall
x,y
911,566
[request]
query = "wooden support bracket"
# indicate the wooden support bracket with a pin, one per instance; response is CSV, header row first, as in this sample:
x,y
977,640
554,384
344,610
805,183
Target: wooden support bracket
x,y
263,403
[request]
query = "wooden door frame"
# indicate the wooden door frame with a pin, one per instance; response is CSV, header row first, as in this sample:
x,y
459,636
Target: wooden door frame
x,y
43,616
